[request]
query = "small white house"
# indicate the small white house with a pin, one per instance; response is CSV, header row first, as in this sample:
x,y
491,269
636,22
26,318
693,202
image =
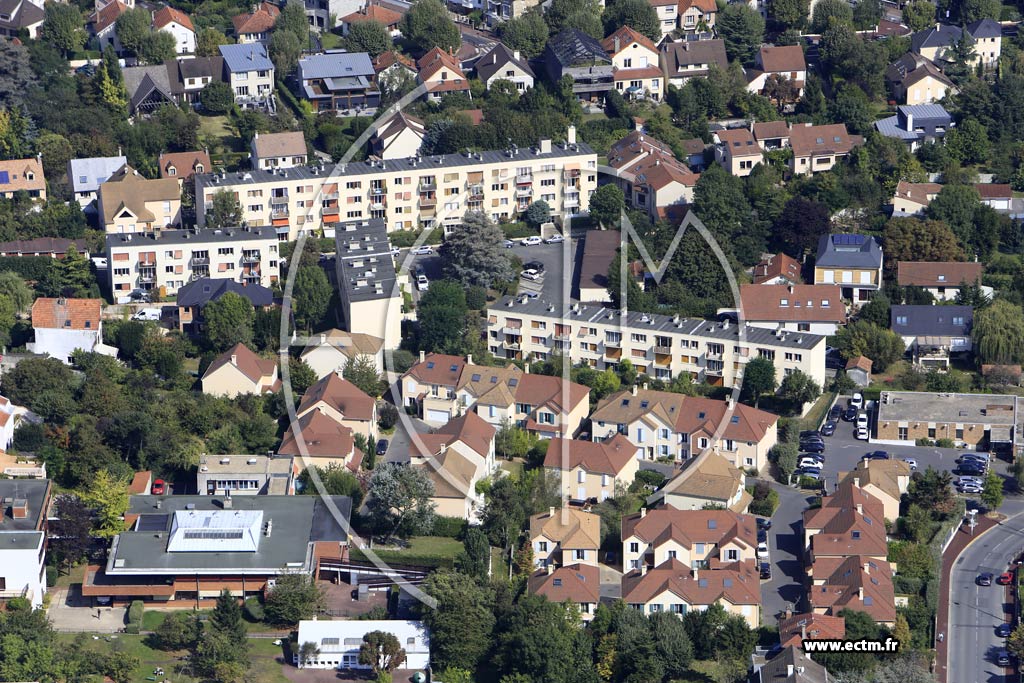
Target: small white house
x,y
338,642
63,326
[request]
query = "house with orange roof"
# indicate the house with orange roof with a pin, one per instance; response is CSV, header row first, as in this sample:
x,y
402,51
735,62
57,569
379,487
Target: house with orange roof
x,y
63,326
565,536
856,582
240,371
343,402
778,269
141,483
102,24
697,538
941,279
911,199
590,470
664,424
650,175
456,457
851,521
820,148
441,73
430,386
736,151
794,628
818,309
179,25
317,439
697,16
677,588
886,480
578,584
771,134
373,12
22,175
255,26
635,67
183,165
710,480
785,62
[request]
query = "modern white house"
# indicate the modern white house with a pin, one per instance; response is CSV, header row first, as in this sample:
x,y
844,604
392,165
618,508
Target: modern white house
x,y
23,539
338,642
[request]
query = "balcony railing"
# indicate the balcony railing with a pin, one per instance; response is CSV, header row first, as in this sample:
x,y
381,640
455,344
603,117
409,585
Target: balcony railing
x,y
514,331
571,202
428,185
279,211
250,258
199,261
524,178
428,201
514,345
377,191
663,350
613,344
714,356
524,191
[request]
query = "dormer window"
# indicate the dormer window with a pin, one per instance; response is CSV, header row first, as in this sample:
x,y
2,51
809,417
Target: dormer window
x,y
942,278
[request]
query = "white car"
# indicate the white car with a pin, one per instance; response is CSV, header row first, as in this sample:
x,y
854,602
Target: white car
x,y
530,274
422,283
147,314
395,251
809,462
554,239
963,481
508,244
423,250
857,401
911,462
762,551
861,433
531,241
862,420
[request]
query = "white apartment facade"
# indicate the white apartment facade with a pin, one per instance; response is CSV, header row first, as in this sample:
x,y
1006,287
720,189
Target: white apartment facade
x,y
176,257
659,345
410,193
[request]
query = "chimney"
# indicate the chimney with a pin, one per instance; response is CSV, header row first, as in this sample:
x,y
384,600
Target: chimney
x,y
516,55
645,386
867,567
545,146
551,511
617,44
860,592
423,356
860,508
695,574
803,630
526,368
643,512
643,567
19,508
856,482
323,339
549,568
469,359
234,359
633,390
227,501
570,135
789,671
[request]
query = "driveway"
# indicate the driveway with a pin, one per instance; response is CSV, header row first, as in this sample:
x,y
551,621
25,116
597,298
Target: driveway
x,y
611,583
400,441
70,612
785,590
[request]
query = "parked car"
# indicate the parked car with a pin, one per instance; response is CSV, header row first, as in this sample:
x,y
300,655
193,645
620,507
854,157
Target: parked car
x,y
817,457
530,274
159,487
911,462
766,570
810,473
762,536
970,480
857,401
861,434
850,414
984,579
971,457
422,283
970,471
828,429
508,244
554,239
1004,630
534,265
834,412
762,551
382,447
812,446
1003,657
147,314
862,420
531,241
968,488
764,523
1005,579
808,462
876,455
395,251
423,250
810,434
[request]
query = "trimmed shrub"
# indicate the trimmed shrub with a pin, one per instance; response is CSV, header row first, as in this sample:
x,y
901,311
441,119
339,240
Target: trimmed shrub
x,y
945,443
449,527
253,610
51,577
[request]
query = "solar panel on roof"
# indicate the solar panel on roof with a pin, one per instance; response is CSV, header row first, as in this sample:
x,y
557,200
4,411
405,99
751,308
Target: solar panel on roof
x,y
153,522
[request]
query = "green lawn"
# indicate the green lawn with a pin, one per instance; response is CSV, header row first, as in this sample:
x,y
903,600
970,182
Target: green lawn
x,y
433,551
331,41
223,138
151,619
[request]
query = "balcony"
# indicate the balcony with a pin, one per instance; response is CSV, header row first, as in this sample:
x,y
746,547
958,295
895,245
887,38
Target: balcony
x,y
561,337
329,195
198,261
278,211
147,276
713,356
378,204
249,259
377,191
432,185
524,178
524,192
571,202
512,345
428,201
613,344
512,331
663,350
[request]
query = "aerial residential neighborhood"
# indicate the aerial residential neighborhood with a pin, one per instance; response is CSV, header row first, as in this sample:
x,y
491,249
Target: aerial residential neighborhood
x,y
509,341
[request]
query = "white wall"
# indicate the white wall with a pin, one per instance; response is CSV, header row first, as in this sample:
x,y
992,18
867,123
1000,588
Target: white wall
x,y
21,569
60,344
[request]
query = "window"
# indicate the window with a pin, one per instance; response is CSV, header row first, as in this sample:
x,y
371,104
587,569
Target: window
x,y
902,434
581,477
634,547
931,432
960,433
580,554
542,546
733,554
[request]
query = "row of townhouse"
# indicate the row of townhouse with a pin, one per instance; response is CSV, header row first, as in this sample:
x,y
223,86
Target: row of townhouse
x,y
815,148
660,346
410,193
676,561
167,260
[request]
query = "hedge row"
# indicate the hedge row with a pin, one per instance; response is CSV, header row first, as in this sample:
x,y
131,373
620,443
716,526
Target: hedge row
x,y
403,558
135,611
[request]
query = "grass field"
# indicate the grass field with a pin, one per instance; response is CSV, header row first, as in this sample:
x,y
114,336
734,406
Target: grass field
x,y
421,550
218,129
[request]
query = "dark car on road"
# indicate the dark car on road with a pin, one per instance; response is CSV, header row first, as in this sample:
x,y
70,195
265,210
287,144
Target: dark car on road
x,y
834,412
382,447
766,570
850,414
828,429
764,523
1004,630
762,536
534,265
877,455
970,470
1003,657
810,434
985,579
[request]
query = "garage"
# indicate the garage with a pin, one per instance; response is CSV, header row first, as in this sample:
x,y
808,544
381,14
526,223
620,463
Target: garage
x,y
438,416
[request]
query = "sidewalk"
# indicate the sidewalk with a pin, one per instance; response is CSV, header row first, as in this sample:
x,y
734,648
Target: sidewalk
x,y
960,541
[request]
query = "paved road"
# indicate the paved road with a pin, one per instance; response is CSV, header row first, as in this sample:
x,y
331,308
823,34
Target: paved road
x,y
975,610
786,589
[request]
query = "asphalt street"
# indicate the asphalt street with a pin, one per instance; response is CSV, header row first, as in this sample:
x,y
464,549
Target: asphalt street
x,y
785,590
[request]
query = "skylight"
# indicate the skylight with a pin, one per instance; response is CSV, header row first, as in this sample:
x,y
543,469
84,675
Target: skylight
x,y
430,365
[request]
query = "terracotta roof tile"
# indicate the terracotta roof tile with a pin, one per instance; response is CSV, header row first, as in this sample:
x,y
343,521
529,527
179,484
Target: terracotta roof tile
x,y
793,629
605,457
792,303
778,266
373,13
166,15
15,175
321,437
578,583
830,139
689,527
66,314
340,394
251,365
269,145
937,273
738,585
185,164
260,21
782,59
438,368
569,527
626,37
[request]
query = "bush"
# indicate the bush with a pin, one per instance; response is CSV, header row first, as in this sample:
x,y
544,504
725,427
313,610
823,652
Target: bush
x,y
924,441
449,527
476,298
518,230
387,416
253,610
809,483
51,577
945,443
406,238
135,611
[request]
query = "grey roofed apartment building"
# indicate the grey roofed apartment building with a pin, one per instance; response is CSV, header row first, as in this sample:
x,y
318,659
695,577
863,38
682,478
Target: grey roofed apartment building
x,y
367,281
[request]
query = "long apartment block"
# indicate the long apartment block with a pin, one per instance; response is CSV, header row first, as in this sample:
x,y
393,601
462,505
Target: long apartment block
x,y
170,259
661,346
412,193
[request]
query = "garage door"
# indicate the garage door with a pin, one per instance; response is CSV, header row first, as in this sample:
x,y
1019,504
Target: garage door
x,y
440,416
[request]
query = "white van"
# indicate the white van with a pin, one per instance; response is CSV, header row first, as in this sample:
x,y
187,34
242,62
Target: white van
x,y
147,314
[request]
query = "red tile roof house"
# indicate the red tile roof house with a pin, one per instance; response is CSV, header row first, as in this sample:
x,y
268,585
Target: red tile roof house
x,y
320,440
430,386
63,326
780,269
183,165
456,457
817,309
786,62
589,470
373,12
849,522
179,25
441,73
695,537
793,628
579,584
240,371
819,148
941,279
255,27
677,588
855,582
342,401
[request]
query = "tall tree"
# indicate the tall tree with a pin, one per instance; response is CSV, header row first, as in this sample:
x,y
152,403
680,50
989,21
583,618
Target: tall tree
x,y
790,13
132,28
919,15
311,297
381,651
998,333
475,557
294,597
208,42
606,204
800,224
824,10
742,29
527,33
462,620
399,500
63,27
799,387
70,531
362,371
158,47
224,212
285,49
861,338
108,496
426,25
473,253
442,315
293,20
758,379
229,321
371,37
639,15
914,239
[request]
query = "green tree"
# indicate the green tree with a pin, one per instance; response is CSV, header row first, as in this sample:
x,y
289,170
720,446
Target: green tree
x,y
825,10
538,642
475,557
70,529
381,651
1015,643
998,333
919,15
442,315
362,371
866,15
285,49
800,225
917,523
226,618
913,239
584,15
336,479
229,321
785,457
293,20
790,13
308,652
158,47
63,27
992,491
758,379
399,501
368,36
799,387
527,33
538,213
311,297
968,142
876,311
108,496
217,98
742,29
932,490
461,621
208,42
606,204
852,106
861,338
426,25
511,441
224,211
178,631
294,597
473,252
132,28
639,15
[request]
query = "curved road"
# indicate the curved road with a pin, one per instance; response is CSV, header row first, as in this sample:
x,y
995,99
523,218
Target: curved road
x,y
975,611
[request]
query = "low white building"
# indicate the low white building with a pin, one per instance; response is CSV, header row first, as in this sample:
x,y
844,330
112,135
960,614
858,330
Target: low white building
x,y
63,326
23,505
338,642
179,25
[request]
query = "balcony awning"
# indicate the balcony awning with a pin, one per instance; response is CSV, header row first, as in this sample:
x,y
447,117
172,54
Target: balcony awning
x,y
280,221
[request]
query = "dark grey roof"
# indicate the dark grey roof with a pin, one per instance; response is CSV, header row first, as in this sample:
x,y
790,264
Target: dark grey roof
x,y
495,60
201,67
22,14
140,81
336,65
676,55
653,322
985,28
297,521
848,251
34,491
204,290
169,237
940,35
572,47
365,266
932,321
805,670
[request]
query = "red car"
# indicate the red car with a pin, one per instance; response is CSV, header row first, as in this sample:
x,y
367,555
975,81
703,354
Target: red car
x,y
1005,579
159,487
